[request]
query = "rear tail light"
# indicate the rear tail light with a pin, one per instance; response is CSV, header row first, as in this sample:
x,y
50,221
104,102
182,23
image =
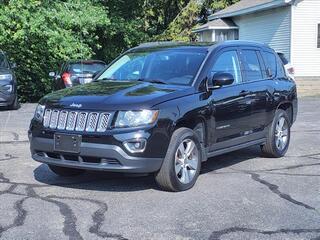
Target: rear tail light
x,y
291,70
66,77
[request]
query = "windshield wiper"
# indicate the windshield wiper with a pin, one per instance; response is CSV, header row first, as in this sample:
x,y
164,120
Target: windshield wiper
x,y
151,80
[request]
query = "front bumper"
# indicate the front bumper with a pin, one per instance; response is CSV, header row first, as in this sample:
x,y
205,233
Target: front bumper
x,y
93,156
6,99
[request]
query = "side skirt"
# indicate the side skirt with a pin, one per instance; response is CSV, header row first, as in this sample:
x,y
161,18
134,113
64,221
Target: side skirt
x,y
237,147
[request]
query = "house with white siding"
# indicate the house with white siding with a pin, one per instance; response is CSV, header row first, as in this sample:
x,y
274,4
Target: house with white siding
x,y
289,26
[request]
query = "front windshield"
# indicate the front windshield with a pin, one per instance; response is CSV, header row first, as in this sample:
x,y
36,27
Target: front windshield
x,y
170,66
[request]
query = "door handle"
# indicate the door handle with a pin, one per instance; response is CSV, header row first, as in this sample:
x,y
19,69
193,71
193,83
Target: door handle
x,y
245,93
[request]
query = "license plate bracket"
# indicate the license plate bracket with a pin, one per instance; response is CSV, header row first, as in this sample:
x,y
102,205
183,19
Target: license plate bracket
x,y
69,143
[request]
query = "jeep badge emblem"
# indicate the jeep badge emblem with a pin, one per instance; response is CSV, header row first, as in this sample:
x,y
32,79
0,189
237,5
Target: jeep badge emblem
x,y
76,105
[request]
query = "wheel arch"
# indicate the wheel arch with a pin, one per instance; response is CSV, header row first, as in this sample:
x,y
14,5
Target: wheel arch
x,y
288,107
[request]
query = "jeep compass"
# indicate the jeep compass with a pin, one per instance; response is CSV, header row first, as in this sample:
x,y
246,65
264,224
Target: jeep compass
x,y
164,108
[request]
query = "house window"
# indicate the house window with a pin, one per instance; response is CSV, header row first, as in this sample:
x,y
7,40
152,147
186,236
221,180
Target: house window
x,y
318,36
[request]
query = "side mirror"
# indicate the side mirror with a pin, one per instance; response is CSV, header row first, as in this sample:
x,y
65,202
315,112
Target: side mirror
x,y
52,74
220,79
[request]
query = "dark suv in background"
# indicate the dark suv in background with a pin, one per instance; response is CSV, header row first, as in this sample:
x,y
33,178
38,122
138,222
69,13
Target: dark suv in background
x,y
76,72
164,108
8,84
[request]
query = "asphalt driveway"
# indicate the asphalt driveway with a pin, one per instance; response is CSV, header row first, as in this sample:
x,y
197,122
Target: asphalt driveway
x,y
240,195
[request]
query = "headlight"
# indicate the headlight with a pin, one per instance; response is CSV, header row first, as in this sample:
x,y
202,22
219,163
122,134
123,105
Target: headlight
x,y
136,118
39,112
6,77
8,88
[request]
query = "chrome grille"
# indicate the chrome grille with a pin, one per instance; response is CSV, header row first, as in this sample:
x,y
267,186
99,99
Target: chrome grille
x,y
92,122
76,121
71,122
103,122
81,122
54,119
62,120
46,118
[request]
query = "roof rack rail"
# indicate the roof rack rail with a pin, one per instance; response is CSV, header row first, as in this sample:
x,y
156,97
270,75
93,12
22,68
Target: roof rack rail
x,y
159,43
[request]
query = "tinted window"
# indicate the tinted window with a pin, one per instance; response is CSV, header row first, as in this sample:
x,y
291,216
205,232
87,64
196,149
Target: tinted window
x,y
251,65
283,58
169,66
271,63
3,61
281,72
86,67
228,62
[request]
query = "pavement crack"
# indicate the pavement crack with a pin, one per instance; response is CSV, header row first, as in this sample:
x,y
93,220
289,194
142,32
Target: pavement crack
x,y
216,235
275,189
19,219
98,217
290,167
69,224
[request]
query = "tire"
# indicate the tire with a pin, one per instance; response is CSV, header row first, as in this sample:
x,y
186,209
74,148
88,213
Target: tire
x,y
272,147
167,178
65,172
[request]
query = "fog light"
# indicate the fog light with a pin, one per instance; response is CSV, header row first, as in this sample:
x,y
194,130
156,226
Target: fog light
x,y
135,145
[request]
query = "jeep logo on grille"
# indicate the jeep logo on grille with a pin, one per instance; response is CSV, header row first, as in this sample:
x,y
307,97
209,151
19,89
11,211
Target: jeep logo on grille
x,y
76,105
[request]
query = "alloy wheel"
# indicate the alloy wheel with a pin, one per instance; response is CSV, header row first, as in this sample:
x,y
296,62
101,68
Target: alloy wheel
x,y
186,161
281,134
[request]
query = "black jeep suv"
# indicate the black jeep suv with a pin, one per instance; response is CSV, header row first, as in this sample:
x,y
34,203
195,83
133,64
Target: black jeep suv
x,y
8,84
164,108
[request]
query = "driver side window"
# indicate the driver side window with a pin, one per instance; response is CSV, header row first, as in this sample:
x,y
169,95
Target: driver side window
x,y
228,62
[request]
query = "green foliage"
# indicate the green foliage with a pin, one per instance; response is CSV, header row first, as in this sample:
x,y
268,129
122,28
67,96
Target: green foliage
x,y
180,28
40,34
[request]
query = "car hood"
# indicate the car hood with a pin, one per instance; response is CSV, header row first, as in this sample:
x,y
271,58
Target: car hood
x,y
114,95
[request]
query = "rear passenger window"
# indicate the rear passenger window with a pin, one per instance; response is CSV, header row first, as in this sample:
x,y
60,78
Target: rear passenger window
x,y
228,62
251,65
281,72
271,64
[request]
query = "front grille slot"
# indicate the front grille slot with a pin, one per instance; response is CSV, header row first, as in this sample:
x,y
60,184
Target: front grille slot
x,y
81,122
46,118
71,157
103,122
91,159
76,121
62,120
71,122
54,119
92,122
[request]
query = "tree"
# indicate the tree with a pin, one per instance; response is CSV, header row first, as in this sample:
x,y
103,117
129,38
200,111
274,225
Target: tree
x,y
38,35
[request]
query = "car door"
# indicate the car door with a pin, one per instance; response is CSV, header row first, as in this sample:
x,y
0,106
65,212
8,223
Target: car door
x,y
230,108
257,84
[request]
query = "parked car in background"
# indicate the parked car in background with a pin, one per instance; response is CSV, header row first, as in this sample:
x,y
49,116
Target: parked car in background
x,y
287,65
166,108
8,83
77,72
